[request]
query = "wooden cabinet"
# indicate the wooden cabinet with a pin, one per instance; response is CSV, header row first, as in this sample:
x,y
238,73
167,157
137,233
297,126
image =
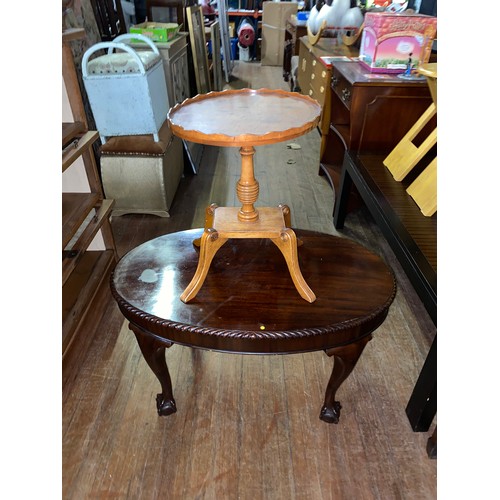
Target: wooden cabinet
x,y
314,76
175,65
86,261
368,113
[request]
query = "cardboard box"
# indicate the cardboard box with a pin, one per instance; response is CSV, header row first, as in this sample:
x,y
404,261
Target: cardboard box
x,y
390,40
158,32
274,16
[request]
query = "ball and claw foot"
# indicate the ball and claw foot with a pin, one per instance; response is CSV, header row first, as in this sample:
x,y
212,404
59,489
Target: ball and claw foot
x,y
331,415
165,406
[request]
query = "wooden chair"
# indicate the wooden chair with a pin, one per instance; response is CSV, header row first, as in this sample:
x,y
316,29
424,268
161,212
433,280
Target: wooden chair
x,y
406,155
109,19
178,5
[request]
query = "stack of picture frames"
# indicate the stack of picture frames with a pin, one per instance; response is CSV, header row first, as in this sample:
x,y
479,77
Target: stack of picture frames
x,y
208,77
216,56
227,56
221,51
198,48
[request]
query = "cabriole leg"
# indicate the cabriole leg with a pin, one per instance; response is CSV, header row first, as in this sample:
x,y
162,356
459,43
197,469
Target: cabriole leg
x,y
154,353
345,359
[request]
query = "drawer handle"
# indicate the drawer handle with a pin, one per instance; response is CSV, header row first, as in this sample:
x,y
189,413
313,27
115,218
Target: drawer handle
x,y
310,92
304,63
335,81
323,74
322,89
314,62
346,94
313,76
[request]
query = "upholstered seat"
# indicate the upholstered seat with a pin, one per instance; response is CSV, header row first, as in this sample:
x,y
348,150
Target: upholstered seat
x,y
122,62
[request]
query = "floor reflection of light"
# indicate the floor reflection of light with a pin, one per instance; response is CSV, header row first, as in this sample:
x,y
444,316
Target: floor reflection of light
x,y
166,294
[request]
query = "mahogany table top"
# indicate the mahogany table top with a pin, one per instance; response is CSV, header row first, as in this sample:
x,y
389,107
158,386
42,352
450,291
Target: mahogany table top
x,y
250,304
244,117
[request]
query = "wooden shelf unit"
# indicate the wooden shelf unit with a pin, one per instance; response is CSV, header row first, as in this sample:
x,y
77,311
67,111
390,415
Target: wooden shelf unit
x,y
84,215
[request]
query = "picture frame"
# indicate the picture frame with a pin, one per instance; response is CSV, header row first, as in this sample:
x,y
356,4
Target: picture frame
x,y
198,48
227,56
216,57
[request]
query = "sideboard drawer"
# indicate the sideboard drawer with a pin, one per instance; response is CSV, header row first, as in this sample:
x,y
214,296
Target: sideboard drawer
x,y
342,88
305,69
319,83
320,72
319,89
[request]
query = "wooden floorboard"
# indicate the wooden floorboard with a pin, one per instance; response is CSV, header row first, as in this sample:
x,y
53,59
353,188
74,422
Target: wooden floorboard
x,y
248,427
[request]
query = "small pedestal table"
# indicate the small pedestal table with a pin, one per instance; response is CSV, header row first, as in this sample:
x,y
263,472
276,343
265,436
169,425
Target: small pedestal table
x,y
245,118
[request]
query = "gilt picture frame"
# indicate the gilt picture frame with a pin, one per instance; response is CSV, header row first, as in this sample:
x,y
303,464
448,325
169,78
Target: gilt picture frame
x,y
227,56
216,57
198,48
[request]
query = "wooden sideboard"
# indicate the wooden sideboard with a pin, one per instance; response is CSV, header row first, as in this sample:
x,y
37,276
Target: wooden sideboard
x,y
314,77
368,113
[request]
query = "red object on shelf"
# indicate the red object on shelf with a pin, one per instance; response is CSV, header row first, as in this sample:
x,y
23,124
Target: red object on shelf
x,y
206,8
246,34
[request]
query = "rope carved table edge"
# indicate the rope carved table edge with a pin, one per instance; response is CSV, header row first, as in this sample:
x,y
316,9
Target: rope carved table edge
x,y
150,333
150,320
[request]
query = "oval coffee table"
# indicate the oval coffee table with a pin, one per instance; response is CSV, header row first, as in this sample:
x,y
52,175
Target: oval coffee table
x,y
254,314
245,118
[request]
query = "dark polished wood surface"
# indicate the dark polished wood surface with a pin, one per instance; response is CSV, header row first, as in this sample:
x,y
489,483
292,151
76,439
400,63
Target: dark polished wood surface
x,y
353,285
354,290
413,238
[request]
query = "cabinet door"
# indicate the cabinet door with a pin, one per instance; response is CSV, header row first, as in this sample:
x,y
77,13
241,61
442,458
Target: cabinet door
x,y
180,78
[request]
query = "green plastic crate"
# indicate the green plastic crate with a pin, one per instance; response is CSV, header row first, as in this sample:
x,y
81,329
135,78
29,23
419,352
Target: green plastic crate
x,y
158,32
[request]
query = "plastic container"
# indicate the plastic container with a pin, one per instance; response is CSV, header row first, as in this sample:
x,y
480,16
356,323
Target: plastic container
x,y
244,53
158,32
